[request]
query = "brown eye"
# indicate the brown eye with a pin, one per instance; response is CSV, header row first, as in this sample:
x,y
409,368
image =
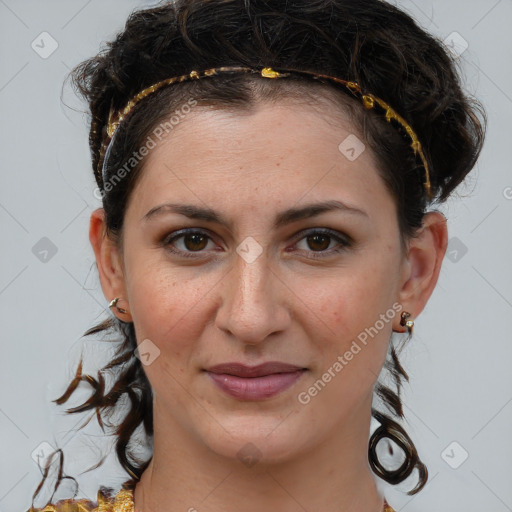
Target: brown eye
x,y
318,242
195,241
323,243
187,242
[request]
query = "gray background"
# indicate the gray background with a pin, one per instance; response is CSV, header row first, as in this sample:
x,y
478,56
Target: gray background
x,y
459,360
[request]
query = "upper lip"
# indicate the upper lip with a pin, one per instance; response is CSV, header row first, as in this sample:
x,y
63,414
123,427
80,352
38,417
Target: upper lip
x,y
242,370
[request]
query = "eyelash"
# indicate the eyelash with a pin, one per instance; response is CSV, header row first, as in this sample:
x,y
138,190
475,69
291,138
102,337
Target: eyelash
x,y
343,241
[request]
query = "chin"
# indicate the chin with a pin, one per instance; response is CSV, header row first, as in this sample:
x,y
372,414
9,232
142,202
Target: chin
x,y
256,440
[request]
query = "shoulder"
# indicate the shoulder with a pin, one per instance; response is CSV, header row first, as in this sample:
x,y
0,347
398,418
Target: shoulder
x,y
106,502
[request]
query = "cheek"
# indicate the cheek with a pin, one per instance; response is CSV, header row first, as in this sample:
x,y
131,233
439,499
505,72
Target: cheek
x,y
168,310
165,303
353,309
351,300
356,318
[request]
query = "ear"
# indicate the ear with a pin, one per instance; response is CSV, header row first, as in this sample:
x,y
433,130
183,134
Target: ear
x,y
422,264
109,263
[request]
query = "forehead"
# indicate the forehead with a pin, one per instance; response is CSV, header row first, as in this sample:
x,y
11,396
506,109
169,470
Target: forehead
x,y
277,151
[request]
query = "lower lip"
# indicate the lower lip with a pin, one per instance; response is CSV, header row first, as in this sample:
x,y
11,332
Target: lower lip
x,y
255,388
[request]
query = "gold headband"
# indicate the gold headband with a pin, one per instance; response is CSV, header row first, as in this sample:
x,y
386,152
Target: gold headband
x,y
369,101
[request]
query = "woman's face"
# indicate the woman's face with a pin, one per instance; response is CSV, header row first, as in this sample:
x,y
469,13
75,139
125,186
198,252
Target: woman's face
x,y
287,249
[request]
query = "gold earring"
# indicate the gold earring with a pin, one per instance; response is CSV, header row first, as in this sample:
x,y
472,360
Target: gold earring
x,y
406,323
113,303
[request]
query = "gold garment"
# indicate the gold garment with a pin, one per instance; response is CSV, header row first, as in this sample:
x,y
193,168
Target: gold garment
x,y
121,502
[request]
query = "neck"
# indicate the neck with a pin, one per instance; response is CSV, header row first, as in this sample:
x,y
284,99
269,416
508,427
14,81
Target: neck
x,y
184,474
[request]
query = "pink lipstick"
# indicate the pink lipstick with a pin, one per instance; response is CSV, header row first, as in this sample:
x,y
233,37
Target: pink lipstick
x,y
254,382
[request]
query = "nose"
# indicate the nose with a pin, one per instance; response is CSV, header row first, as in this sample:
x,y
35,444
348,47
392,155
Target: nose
x,y
253,301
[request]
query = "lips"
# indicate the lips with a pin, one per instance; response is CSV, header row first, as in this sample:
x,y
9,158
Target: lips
x,y
254,382
241,370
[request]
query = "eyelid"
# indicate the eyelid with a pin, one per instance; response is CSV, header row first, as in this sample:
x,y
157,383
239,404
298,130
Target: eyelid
x,y
180,233
344,241
343,237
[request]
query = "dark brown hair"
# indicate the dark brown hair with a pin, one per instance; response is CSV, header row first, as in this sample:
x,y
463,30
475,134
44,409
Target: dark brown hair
x,y
367,41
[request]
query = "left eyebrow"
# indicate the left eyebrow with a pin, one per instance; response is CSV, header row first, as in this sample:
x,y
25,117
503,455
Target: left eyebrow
x,y
285,217
314,209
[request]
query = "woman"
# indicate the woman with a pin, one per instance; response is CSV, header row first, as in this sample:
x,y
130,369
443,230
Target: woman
x,y
268,173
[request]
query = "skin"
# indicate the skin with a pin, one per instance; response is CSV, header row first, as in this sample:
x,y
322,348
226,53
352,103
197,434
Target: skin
x,y
284,306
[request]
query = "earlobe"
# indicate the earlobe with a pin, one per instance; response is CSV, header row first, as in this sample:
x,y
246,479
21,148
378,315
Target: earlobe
x,y
425,255
108,261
